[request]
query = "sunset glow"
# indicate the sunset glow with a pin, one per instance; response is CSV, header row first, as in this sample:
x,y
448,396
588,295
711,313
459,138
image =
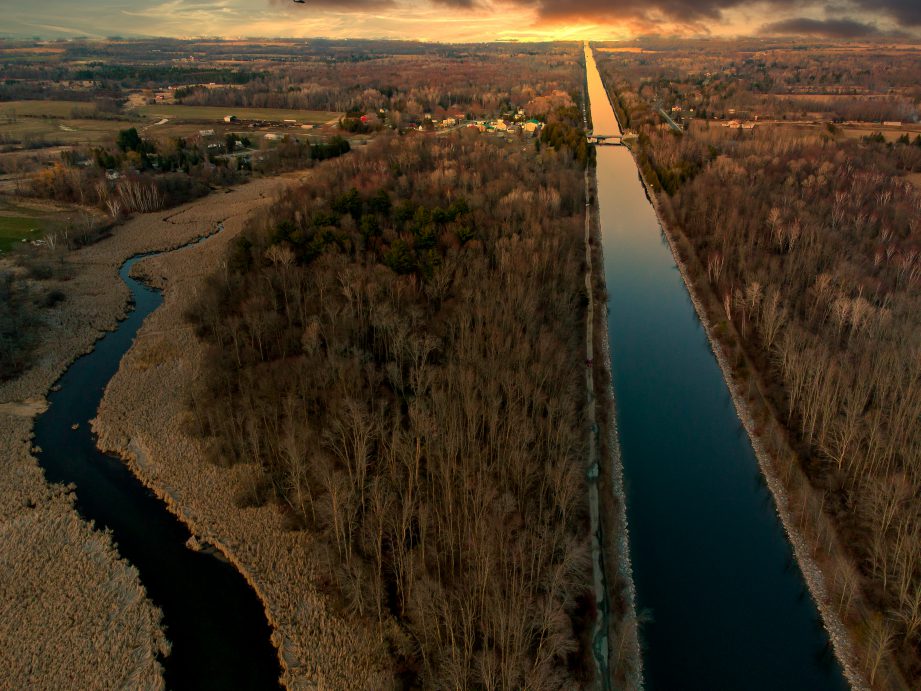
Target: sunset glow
x,y
458,20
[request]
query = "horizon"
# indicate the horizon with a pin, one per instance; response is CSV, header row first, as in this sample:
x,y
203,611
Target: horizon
x,y
469,21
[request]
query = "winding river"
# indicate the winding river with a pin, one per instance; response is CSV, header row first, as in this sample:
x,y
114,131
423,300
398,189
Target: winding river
x,y
215,623
715,575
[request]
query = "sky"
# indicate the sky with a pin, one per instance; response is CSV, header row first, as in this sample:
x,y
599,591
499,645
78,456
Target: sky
x,y
462,20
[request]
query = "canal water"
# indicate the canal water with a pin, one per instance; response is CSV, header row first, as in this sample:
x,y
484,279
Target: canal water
x,y
215,623
715,575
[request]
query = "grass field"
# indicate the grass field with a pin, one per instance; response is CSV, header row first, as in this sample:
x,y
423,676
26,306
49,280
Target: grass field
x,y
890,134
14,229
30,220
217,113
61,131
40,109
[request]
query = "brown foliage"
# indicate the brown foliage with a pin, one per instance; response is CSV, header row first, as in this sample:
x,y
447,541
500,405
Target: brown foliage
x,y
424,420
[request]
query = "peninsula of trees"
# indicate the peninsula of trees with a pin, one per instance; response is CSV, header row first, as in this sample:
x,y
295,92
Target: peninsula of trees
x,y
397,345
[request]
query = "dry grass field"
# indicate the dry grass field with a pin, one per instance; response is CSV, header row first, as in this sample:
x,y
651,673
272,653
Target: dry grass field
x,y
217,113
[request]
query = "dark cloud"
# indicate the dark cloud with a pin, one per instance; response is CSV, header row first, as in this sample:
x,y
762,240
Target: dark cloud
x,y
701,12
651,11
825,28
905,11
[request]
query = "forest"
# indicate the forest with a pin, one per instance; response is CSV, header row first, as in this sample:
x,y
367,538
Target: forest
x,y
809,243
770,79
397,346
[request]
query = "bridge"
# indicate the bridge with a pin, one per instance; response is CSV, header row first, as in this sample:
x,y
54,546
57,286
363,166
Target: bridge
x,y
605,139
624,139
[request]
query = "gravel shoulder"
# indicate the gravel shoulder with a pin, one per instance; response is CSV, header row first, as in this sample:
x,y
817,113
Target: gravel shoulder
x,y
73,614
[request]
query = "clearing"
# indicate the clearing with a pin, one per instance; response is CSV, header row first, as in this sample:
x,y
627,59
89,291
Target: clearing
x,y
22,221
217,113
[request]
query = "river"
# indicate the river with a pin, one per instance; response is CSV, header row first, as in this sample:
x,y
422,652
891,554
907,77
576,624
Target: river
x,y
215,623
714,572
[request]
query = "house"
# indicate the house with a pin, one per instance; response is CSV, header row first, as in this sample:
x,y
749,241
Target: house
x,y
892,123
274,136
206,133
531,126
739,125
230,118
291,123
500,125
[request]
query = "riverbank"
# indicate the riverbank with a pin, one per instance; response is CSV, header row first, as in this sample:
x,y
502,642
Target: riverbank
x,y
788,485
623,655
73,609
143,418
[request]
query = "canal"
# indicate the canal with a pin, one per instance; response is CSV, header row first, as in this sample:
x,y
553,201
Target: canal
x,y
216,625
726,603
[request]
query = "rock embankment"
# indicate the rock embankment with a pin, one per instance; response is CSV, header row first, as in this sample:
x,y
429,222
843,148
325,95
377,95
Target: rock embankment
x,y
72,613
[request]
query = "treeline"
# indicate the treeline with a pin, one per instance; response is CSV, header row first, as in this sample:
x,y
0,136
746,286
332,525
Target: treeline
x,y
739,79
143,175
396,345
487,81
17,320
564,130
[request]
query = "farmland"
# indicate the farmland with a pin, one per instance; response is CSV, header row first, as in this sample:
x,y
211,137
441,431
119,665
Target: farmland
x,y
50,131
217,113
47,109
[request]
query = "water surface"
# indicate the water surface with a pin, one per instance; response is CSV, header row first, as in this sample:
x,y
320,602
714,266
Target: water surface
x,y
217,626
713,568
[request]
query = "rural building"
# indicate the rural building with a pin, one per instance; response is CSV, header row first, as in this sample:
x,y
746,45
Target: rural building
x,y
531,126
230,118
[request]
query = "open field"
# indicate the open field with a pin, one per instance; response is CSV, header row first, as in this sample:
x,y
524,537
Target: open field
x,y
60,131
14,229
22,221
891,134
217,113
43,109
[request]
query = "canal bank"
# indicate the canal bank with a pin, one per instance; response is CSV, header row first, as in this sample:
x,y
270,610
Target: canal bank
x,y
714,569
615,638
